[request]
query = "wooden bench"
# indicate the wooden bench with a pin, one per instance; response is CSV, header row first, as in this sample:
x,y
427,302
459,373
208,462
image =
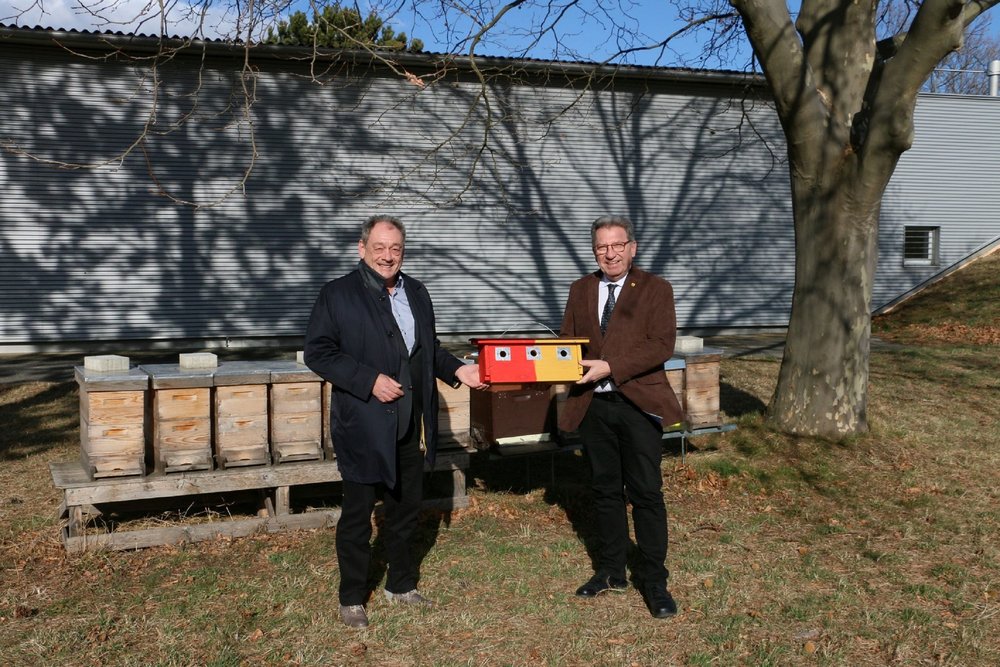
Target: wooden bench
x,y
85,499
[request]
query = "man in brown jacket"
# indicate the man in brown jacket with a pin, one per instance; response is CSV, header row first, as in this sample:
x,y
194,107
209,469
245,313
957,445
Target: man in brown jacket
x,y
620,407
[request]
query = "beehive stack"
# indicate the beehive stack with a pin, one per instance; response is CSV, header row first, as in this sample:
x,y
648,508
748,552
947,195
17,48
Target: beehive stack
x,y
674,368
296,412
241,416
182,413
327,438
112,416
701,387
453,416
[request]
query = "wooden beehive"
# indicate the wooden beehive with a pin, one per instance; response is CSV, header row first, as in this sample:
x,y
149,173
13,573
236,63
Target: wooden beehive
x,y
182,417
453,416
701,387
674,368
241,415
112,421
327,438
296,413
511,414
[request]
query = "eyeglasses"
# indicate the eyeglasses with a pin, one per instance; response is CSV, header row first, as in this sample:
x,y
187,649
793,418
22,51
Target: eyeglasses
x,y
617,247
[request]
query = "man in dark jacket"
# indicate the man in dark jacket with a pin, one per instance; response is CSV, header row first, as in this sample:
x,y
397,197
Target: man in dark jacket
x,y
621,405
372,336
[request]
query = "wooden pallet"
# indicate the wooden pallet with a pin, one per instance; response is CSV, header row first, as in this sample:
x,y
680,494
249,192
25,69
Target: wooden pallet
x,y
83,499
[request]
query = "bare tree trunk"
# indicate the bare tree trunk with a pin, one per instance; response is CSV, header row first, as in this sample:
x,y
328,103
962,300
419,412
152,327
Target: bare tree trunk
x,y
823,384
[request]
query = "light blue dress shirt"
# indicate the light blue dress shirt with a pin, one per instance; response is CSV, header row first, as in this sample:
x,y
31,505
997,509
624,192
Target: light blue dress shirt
x,y
404,315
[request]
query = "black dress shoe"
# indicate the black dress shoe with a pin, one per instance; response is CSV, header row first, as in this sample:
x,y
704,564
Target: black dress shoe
x,y
659,601
600,583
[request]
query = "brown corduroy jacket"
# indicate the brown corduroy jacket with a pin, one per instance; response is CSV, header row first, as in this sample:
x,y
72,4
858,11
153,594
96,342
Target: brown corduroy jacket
x,y
640,338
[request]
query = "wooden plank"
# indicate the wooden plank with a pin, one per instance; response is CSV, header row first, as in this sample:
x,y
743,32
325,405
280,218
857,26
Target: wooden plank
x,y
282,500
80,490
175,535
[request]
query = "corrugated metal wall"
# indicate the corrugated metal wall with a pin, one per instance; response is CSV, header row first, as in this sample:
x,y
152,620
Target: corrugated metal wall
x,y
948,179
497,233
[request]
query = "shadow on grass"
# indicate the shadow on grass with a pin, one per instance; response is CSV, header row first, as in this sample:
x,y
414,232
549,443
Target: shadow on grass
x,y
737,402
38,422
564,477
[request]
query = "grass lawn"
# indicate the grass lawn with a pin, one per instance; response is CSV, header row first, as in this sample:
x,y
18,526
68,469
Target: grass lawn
x,y
783,551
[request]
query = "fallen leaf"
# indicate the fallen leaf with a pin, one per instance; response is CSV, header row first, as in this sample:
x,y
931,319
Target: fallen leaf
x,y
255,635
21,611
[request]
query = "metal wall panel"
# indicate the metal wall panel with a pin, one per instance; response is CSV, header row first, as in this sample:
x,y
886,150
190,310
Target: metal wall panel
x,y
498,217
948,179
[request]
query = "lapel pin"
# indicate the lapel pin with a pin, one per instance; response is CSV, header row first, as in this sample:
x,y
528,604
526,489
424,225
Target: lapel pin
x,y
631,284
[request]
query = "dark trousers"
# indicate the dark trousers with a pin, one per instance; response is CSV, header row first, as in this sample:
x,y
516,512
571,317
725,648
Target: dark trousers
x,y
354,529
624,447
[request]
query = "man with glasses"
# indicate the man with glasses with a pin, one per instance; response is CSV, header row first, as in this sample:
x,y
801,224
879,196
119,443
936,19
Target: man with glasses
x,y
371,335
620,407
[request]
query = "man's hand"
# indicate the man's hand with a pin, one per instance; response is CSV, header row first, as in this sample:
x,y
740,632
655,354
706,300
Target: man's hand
x,y
595,370
386,390
468,374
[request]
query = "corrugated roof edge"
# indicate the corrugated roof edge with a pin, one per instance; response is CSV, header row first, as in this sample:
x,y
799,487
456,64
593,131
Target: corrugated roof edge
x,y
151,43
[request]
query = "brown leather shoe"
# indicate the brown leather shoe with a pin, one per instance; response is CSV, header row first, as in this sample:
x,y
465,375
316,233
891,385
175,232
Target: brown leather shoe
x,y
354,616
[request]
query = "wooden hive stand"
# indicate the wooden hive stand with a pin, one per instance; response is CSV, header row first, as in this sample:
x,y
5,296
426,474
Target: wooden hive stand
x,y
85,499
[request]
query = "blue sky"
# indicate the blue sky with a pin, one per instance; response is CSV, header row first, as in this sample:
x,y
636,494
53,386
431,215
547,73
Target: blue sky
x,y
584,37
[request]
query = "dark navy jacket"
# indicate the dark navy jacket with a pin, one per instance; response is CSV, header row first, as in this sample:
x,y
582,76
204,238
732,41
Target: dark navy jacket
x,y
351,338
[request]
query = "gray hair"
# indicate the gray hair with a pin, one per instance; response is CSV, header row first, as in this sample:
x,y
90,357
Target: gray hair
x,y
366,229
612,221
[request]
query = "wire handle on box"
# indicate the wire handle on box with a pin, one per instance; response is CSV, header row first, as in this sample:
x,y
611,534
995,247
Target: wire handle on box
x,y
533,322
